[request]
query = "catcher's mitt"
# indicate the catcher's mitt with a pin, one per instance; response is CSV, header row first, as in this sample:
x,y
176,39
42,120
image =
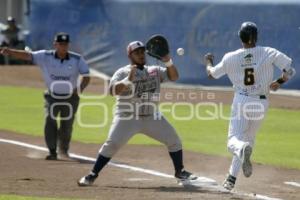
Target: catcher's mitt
x,y
157,46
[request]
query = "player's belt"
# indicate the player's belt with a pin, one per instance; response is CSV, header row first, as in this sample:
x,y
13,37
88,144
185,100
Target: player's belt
x,y
255,96
262,97
54,94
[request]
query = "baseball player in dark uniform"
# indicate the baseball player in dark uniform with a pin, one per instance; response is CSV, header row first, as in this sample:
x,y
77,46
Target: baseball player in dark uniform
x,y
61,69
137,87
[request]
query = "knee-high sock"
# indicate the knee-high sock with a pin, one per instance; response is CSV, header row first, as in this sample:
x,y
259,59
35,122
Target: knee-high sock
x,y
100,163
177,160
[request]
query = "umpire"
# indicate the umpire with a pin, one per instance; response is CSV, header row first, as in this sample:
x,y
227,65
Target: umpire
x,y
61,70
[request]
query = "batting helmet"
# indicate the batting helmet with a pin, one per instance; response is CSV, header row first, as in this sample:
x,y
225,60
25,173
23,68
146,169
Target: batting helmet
x,y
248,32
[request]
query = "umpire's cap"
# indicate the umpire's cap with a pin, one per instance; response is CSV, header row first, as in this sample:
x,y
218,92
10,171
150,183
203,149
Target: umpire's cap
x,y
62,37
248,32
132,46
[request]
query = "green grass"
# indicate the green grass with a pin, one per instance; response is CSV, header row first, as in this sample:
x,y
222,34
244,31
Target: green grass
x,y
277,143
16,197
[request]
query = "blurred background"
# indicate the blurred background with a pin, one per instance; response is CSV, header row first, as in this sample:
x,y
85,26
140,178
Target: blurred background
x,y
100,30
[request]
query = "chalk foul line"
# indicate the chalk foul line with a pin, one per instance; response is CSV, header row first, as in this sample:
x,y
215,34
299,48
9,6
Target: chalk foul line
x,y
204,182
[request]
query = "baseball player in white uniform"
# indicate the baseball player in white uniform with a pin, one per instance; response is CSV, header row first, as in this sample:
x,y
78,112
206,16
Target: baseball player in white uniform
x,y
137,87
250,69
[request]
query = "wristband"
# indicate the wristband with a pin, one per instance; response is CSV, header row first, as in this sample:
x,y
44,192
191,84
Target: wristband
x,y
280,81
169,63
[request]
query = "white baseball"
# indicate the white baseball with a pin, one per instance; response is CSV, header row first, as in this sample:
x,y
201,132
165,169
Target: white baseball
x,y
180,51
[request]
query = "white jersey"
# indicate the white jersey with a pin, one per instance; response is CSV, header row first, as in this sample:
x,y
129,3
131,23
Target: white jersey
x,y
251,73
251,70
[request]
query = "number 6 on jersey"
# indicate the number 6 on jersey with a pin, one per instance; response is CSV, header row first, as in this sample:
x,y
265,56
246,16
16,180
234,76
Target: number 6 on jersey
x,y
249,76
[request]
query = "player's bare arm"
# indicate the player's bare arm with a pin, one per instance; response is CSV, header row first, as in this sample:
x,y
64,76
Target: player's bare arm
x,y
131,75
118,88
209,60
18,54
171,69
285,76
123,85
84,83
275,85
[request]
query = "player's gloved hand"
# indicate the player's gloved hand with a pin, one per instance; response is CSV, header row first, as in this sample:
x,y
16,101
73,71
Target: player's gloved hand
x,y
157,46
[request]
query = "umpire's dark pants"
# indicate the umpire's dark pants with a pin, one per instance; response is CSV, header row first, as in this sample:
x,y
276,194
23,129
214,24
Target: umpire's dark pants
x,y
66,107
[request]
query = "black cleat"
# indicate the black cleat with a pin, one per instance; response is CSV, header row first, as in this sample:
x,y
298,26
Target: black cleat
x,y
229,182
87,180
185,175
51,157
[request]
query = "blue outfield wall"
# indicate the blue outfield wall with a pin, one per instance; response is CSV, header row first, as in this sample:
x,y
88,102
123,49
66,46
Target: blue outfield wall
x,y
101,30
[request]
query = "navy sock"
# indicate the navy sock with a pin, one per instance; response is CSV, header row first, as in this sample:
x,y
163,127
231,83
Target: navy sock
x,y
100,163
53,151
177,160
231,179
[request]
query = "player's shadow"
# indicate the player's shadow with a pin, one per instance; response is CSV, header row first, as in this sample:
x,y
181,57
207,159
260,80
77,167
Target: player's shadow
x,y
85,161
189,189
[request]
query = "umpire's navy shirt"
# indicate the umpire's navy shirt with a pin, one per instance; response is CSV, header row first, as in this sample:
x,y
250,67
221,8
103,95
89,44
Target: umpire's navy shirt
x,y
60,75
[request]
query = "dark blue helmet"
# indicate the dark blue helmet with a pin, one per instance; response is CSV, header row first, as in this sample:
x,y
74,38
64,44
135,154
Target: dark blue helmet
x,y
248,32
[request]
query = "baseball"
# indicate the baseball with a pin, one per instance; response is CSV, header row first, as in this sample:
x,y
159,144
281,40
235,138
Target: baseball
x,y
180,51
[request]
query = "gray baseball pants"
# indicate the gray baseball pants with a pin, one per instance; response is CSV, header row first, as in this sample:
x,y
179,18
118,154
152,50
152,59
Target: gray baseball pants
x,y
54,135
122,130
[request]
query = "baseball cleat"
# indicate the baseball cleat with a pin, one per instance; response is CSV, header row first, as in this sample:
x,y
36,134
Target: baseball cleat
x,y
247,166
51,157
229,182
63,155
185,175
87,180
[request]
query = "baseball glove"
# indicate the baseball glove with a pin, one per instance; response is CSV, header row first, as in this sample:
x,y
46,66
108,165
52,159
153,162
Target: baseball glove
x,y
157,46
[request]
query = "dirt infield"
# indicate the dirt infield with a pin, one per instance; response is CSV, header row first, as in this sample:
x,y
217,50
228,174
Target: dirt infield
x,y
25,172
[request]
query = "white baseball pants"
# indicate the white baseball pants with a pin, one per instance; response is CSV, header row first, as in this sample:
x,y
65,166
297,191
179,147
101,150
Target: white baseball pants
x,y
247,114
